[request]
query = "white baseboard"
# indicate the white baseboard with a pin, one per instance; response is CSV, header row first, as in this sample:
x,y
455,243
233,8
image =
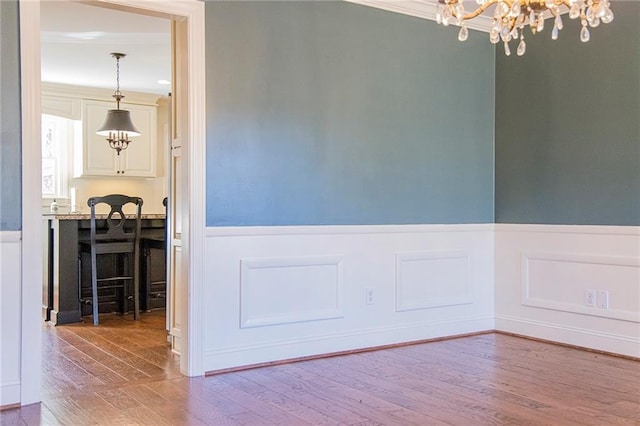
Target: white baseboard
x,y
9,393
277,350
586,338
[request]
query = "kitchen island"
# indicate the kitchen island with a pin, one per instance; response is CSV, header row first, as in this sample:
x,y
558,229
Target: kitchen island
x,y
61,292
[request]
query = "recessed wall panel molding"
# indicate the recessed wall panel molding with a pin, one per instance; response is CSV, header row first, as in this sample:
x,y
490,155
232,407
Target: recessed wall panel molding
x,y
563,281
290,290
432,279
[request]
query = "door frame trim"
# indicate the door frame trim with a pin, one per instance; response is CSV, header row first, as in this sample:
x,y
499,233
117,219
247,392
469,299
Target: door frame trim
x,y
191,361
32,234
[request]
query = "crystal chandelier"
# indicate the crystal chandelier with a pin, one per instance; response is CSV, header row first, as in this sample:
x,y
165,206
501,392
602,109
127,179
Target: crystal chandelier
x,y
118,126
511,16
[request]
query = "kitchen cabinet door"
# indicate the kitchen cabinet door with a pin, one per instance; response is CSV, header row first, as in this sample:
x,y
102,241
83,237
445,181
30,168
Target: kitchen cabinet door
x,y
98,159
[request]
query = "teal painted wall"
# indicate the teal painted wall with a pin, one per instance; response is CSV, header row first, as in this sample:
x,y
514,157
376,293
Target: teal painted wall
x,y
331,113
10,133
568,126
334,113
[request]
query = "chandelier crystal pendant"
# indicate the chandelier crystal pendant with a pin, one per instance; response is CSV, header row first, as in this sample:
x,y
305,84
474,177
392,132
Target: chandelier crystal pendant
x,y
118,127
511,16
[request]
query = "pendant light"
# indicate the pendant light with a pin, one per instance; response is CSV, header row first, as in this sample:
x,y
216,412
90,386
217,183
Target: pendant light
x,y
118,127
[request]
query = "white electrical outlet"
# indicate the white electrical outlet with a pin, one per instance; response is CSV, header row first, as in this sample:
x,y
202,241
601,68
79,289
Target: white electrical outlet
x,y
590,297
369,299
603,299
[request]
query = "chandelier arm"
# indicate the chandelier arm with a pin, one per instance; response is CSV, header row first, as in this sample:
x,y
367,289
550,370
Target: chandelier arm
x,y
483,7
509,3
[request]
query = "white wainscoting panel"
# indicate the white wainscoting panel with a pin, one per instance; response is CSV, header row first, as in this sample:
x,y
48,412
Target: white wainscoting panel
x,y
560,281
275,293
432,279
10,378
543,272
280,291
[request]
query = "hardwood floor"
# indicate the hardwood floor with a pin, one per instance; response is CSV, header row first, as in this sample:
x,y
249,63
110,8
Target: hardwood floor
x,y
123,373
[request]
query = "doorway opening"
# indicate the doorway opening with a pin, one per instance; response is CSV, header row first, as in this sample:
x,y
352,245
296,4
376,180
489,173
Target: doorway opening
x,y
188,19
78,42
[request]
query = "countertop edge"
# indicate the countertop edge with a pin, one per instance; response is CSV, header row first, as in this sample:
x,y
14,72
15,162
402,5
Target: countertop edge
x,y
80,216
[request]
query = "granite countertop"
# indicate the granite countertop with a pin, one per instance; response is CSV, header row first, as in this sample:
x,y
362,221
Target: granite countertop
x,y
87,216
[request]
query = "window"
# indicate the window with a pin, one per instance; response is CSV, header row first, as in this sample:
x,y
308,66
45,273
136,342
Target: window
x,y
57,141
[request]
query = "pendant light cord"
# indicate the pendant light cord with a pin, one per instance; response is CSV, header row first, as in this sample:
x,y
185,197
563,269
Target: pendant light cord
x,y
117,94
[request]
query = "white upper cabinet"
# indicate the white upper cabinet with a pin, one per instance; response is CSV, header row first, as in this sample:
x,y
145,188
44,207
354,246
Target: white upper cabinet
x,y
96,158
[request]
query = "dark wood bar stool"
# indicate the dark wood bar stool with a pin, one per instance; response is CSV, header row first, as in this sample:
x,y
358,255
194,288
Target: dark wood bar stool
x,y
120,239
154,293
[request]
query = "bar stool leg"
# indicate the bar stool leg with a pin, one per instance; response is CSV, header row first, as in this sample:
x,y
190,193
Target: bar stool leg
x,y
94,284
125,282
136,283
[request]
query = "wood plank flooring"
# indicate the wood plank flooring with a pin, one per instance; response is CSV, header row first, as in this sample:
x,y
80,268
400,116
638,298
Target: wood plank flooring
x,y
123,373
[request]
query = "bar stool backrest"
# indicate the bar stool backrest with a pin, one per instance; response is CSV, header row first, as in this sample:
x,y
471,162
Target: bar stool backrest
x,y
116,219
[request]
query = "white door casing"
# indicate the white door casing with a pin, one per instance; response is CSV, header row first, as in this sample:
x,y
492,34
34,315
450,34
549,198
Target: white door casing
x,y
176,305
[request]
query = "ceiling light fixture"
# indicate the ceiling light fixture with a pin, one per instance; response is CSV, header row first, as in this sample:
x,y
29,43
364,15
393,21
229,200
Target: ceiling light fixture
x,y
511,16
118,126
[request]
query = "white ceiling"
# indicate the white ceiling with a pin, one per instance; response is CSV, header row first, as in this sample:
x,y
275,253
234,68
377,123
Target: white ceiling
x,y
77,40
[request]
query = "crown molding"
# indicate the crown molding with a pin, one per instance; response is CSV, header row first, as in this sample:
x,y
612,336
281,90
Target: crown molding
x,y
97,93
425,9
